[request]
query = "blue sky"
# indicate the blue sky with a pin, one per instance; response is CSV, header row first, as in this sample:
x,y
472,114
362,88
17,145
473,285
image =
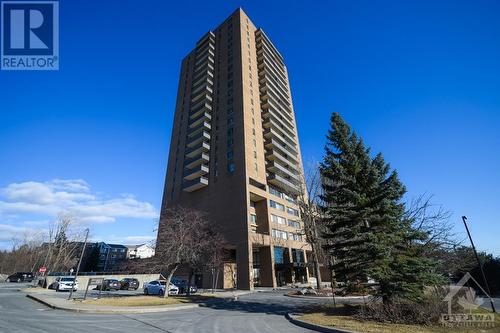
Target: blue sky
x,y
419,80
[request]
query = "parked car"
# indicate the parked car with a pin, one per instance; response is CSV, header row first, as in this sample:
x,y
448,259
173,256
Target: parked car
x,y
64,283
157,287
110,284
129,283
20,277
182,285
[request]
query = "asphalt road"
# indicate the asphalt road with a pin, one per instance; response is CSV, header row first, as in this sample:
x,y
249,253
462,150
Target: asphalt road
x,y
258,312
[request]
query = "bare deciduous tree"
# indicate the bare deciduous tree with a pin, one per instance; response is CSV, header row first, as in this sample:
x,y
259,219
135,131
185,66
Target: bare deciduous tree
x,y
185,237
432,220
57,249
65,239
308,200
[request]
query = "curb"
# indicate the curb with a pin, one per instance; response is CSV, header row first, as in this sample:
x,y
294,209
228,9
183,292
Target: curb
x,y
39,300
294,319
117,311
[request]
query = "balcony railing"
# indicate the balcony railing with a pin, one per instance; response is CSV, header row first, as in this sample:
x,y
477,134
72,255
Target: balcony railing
x,y
290,172
271,133
208,37
275,143
274,121
268,109
194,140
204,94
205,116
197,171
204,73
199,109
283,183
197,149
195,184
191,163
205,126
273,154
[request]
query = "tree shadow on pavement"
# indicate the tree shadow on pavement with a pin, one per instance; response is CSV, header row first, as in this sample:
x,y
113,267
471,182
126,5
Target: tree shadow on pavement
x,y
257,307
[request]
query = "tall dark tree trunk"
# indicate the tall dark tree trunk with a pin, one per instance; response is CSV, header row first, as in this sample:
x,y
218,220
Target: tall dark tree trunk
x,y
315,260
188,285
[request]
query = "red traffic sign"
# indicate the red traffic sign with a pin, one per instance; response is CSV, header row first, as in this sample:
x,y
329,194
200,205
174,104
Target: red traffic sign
x,y
42,269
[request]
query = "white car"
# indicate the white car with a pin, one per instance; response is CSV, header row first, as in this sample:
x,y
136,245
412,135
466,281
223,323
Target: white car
x,y
64,283
157,287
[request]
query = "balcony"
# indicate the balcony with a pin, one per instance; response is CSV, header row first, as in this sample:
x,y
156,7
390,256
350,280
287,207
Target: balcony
x,y
204,63
205,51
195,161
195,184
267,65
205,73
208,37
273,155
262,39
197,139
274,122
197,149
201,81
283,147
269,109
277,89
205,126
204,94
277,93
277,168
270,133
283,183
196,172
201,53
203,117
199,108
204,87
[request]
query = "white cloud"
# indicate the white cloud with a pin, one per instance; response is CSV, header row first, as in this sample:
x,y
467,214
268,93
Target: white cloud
x,y
9,233
47,199
52,192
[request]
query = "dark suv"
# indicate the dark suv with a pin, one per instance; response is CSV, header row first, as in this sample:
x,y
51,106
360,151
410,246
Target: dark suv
x,y
129,283
109,284
20,277
182,285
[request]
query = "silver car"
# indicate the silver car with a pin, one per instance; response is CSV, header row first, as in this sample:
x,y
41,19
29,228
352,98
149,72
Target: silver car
x,y
157,287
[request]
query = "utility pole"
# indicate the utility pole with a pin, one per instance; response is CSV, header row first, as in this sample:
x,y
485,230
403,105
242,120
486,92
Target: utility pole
x,y
79,263
464,218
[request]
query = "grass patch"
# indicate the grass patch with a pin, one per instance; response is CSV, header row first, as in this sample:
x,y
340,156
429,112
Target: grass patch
x,y
341,317
144,300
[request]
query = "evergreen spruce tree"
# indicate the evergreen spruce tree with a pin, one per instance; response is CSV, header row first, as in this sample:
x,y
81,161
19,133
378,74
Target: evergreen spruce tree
x,y
92,260
368,235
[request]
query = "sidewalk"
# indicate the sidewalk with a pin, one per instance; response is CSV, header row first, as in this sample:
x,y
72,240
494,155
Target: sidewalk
x,y
76,306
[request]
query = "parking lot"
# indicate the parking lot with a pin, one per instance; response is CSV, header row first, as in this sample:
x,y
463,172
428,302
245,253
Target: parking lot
x,y
257,312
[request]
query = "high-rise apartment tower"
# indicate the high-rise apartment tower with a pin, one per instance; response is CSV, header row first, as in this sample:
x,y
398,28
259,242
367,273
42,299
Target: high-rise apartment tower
x,y
234,153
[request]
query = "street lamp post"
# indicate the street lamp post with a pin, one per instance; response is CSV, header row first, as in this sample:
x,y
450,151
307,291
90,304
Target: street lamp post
x,y
79,263
464,218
